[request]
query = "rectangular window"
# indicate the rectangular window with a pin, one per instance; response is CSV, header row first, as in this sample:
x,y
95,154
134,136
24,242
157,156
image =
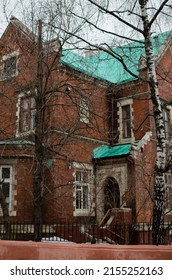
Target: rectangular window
x,y
27,114
126,121
10,66
6,178
81,189
168,181
84,110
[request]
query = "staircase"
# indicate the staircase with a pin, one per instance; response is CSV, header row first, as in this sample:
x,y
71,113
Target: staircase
x,y
107,231
111,229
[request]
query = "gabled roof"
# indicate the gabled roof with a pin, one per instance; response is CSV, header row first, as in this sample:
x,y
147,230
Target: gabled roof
x,y
23,28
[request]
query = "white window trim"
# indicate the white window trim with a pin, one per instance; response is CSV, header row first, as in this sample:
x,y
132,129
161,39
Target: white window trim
x,y
3,76
120,104
20,96
90,211
12,201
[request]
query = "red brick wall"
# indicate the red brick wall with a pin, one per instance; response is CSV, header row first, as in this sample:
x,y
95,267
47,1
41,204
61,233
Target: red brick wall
x,y
62,114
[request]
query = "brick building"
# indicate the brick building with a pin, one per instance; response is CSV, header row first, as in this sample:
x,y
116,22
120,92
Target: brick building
x,y
99,134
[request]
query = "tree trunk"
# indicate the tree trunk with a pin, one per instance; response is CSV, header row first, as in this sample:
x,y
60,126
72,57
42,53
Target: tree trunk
x,y
38,186
160,166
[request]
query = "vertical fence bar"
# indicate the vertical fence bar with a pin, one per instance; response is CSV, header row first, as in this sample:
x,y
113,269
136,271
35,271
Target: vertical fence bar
x,y
120,233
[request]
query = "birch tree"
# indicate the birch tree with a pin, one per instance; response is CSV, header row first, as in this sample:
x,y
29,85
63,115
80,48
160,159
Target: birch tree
x,y
145,14
162,161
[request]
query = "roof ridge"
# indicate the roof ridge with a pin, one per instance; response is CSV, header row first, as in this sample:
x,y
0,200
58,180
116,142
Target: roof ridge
x,y
27,31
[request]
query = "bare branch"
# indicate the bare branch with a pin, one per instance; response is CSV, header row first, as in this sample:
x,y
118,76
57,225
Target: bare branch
x,y
112,13
108,32
158,12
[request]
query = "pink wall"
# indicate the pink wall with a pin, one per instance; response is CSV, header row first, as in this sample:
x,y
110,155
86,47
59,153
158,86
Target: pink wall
x,y
20,250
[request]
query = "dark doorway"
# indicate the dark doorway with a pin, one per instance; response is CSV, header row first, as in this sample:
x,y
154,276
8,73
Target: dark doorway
x,y
111,194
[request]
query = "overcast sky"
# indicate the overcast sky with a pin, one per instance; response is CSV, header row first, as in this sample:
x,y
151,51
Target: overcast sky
x,y
14,7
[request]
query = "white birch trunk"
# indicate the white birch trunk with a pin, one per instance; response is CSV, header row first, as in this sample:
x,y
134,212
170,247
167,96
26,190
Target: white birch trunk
x,y
160,166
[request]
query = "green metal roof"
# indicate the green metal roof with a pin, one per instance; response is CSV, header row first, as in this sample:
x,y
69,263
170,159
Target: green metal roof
x,y
106,151
105,67
79,63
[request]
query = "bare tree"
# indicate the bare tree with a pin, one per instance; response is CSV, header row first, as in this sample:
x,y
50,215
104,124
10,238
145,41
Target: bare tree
x,y
40,54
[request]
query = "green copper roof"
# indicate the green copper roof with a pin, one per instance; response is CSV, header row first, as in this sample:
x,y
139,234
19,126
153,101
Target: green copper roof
x,y
105,67
79,63
106,151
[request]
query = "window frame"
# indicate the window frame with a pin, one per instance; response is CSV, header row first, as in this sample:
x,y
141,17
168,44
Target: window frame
x,y
80,186
25,114
83,168
168,184
84,112
126,121
6,73
10,181
167,122
122,125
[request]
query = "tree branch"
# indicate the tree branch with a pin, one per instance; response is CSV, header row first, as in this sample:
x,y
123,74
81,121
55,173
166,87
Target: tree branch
x,y
108,32
112,13
158,12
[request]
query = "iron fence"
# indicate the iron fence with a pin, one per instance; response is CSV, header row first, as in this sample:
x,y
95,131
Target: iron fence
x,y
140,233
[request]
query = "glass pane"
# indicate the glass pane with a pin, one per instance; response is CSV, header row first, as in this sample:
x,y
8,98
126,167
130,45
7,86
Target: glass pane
x,y
85,177
78,176
84,110
25,104
85,197
25,121
126,121
128,128
32,119
78,199
6,189
5,172
10,65
32,103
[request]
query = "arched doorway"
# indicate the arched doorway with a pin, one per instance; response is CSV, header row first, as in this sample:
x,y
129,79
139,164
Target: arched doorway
x,y
111,194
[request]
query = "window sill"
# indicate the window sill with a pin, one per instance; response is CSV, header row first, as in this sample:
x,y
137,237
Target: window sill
x,y
11,214
26,133
5,77
82,213
126,140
